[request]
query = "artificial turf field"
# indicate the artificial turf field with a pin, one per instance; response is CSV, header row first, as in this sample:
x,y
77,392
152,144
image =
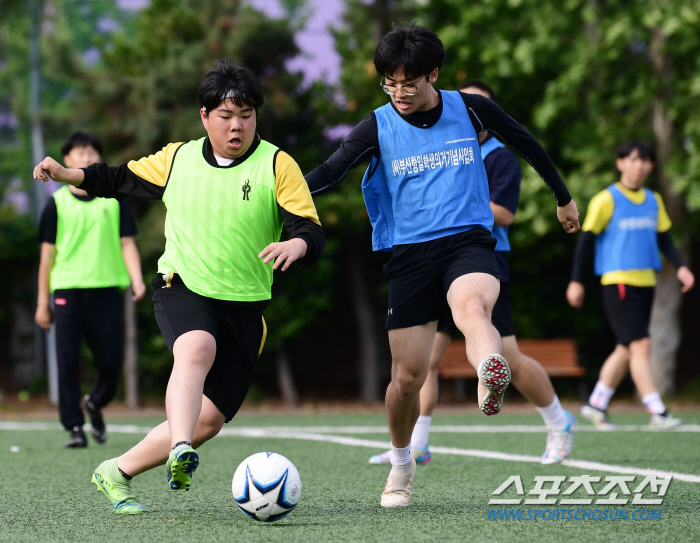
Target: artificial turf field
x,y
46,495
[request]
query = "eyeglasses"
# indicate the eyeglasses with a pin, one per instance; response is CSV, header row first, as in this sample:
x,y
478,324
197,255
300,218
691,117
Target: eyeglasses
x,y
408,90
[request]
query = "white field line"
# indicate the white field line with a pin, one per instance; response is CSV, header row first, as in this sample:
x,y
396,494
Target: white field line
x,y
300,433
445,429
467,429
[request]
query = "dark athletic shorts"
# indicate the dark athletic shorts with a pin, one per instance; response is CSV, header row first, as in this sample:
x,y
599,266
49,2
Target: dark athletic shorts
x,y
420,274
239,333
501,316
628,310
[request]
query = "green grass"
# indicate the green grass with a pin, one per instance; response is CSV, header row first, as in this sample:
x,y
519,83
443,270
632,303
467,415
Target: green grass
x,y
46,495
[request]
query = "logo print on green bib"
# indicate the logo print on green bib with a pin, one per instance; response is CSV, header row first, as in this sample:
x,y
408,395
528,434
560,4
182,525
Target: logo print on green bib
x,y
246,190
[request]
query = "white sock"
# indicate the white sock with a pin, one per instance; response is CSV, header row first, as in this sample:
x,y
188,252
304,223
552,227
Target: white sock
x,y
653,403
400,457
554,415
421,432
600,397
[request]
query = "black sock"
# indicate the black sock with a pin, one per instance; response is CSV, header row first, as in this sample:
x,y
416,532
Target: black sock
x,y
125,475
181,443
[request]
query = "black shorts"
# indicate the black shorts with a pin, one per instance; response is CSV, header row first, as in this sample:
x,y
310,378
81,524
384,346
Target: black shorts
x,y
628,310
238,330
501,316
446,323
420,274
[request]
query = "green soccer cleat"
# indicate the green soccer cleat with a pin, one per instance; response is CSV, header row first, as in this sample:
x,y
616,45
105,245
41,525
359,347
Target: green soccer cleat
x,y
112,484
180,466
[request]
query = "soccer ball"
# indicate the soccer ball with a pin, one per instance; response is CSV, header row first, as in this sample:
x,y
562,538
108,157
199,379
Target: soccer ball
x,y
266,486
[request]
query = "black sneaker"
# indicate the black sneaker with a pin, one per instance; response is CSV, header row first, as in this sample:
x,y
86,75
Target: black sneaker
x,y
77,438
99,430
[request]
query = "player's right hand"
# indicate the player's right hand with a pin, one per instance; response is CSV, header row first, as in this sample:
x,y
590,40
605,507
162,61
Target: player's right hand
x,y
575,294
49,169
43,317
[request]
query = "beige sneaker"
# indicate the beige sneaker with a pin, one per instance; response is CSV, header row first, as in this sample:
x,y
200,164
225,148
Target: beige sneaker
x,y
397,492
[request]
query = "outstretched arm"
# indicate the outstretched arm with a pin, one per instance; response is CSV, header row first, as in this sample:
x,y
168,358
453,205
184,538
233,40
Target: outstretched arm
x,y
144,178
490,117
48,169
359,146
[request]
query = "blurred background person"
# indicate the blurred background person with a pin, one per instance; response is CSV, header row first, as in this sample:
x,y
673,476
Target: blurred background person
x,y
88,255
627,225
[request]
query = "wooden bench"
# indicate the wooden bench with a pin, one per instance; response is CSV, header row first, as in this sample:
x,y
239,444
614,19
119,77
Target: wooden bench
x,y
557,356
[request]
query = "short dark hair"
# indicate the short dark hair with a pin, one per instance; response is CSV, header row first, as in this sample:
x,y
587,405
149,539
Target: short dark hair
x,y
481,86
413,48
232,81
643,147
82,139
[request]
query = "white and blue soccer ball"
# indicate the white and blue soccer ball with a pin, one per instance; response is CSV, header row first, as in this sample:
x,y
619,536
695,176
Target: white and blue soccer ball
x,y
266,486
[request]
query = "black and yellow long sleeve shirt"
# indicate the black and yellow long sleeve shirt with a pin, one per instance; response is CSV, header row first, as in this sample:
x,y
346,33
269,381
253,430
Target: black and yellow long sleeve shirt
x,y
219,217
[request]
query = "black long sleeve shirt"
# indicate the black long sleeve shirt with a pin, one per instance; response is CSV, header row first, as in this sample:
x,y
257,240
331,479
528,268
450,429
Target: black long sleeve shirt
x,y
148,177
485,115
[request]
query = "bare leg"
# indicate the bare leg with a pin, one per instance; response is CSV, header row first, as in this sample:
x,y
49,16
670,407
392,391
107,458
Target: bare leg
x,y
429,392
527,374
615,367
640,366
194,354
410,354
153,450
471,298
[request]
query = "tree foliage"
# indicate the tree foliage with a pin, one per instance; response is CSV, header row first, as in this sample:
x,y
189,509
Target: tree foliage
x,y
581,75
140,95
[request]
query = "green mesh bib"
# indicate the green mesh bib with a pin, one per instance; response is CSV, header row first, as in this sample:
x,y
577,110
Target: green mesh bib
x,y
88,246
218,221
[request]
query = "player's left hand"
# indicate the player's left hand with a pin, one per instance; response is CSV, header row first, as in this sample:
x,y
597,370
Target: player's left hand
x,y
139,291
686,277
568,217
284,252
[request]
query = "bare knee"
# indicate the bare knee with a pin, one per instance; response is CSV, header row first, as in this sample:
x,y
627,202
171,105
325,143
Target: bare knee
x,y
472,311
638,345
409,379
196,347
623,351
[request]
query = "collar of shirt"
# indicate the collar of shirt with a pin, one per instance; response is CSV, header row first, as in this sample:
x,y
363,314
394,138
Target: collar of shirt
x,y
422,119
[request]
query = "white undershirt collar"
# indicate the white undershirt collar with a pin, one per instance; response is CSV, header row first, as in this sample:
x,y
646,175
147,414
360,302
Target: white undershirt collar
x,y
223,161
